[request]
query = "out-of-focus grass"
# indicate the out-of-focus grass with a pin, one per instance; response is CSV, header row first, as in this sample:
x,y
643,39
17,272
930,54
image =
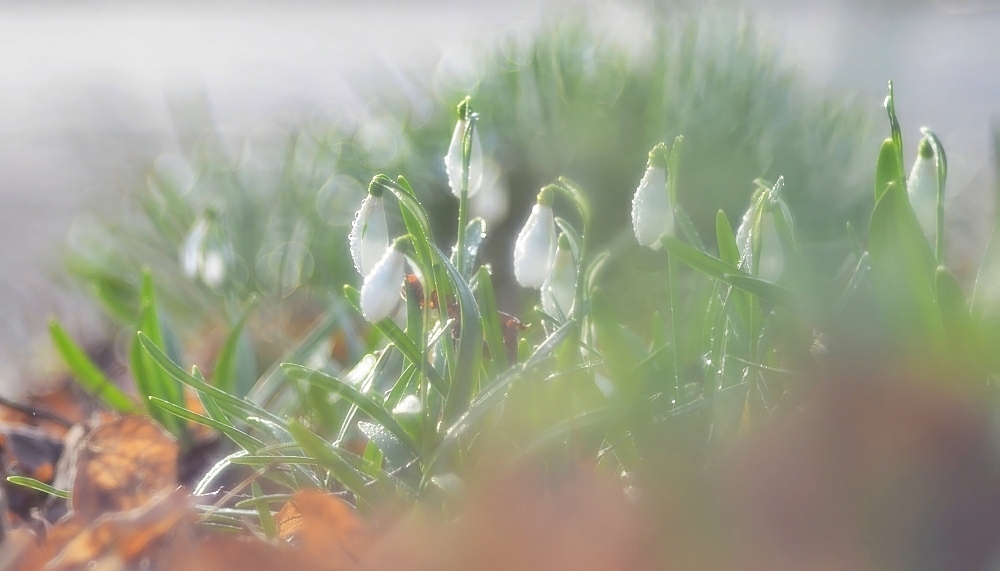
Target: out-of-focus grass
x,y
753,308
564,98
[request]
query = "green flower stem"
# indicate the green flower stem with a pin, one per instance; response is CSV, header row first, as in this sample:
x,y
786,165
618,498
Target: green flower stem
x,y
463,194
674,330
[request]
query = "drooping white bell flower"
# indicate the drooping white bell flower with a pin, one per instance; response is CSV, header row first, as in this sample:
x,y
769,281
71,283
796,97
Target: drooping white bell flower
x,y
369,237
453,160
205,253
922,189
535,248
191,250
652,212
380,293
559,289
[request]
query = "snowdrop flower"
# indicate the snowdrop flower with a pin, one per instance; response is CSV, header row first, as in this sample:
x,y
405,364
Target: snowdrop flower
x,y
652,213
191,250
758,234
559,289
453,160
369,237
205,253
380,293
922,189
535,248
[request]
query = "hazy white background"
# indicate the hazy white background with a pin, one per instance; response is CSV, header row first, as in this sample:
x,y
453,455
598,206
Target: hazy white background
x,y
86,90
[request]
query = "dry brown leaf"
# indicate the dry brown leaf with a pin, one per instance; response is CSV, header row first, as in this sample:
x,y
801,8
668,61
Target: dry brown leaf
x,y
584,523
121,465
288,520
117,539
327,530
225,553
26,451
35,554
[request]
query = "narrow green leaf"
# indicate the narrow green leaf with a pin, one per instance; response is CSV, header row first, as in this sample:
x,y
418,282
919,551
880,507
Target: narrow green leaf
x,y
955,316
729,252
493,395
356,398
887,169
687,228
273,460
87,374
343,467
224,399
38,486
267,523
616,350
903,267
160,385
397,337
224,375
147,383
470,344
573,191
726,273
272,382
491,319
897,135
243,440
475,233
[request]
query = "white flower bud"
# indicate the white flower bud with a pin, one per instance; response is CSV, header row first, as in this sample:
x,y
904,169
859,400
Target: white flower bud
x,y
922,190
191,250
535,247
453,161
369,237
205,253
772,255
559,289
380,293
652,213
763,234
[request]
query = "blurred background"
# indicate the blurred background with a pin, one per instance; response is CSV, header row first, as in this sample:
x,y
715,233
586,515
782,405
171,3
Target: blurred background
x,y
101,98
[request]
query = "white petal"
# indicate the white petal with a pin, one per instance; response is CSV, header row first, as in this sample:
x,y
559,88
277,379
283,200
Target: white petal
x,y
380,292
191,251
213,269
772,253
922,189
369,237
652,215
535,247
559,289
453,161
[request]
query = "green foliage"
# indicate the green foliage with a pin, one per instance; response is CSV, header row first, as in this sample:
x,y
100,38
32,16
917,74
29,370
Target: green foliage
x,y
697,352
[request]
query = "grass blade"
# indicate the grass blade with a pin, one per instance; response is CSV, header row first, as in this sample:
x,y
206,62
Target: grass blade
x,y
87,374
356,398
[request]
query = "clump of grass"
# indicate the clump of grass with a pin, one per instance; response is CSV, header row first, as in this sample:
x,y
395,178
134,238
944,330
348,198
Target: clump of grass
x,y
445,380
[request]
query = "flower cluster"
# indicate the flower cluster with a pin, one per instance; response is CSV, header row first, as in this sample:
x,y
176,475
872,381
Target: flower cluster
x,y
380,262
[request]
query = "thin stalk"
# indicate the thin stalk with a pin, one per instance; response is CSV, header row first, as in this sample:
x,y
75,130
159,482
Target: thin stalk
x,y
674,333
463,193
